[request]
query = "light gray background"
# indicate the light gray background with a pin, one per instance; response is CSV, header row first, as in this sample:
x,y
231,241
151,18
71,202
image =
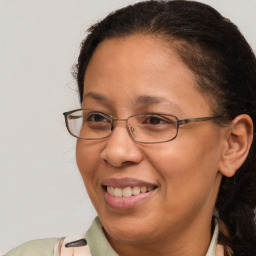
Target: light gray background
x,y
41,192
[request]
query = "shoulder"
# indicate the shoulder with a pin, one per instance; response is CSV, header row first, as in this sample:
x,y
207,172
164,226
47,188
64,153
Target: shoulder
x,y
42,247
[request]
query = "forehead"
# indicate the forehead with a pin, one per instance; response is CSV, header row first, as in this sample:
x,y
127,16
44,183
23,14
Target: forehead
x,y
124,69
148,51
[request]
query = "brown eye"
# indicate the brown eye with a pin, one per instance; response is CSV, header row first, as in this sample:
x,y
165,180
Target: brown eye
x,y
97,117
154,120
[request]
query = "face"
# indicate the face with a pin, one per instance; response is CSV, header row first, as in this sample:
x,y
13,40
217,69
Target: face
x,y
142,74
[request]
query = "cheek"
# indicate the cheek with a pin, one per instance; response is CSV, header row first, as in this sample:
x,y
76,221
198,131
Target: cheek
x,y
187,168
87,158
88,162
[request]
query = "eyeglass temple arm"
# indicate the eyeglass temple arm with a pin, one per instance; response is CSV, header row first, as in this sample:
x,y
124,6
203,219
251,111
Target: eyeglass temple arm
x,y
194,120
72,111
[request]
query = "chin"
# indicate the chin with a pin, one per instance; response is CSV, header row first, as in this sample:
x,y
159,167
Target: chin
x,y
128,235
129,228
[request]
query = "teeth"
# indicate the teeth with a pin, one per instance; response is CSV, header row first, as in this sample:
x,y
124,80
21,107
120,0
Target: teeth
x,y
143,189
149,189
135,191
112,190
128,191
118,192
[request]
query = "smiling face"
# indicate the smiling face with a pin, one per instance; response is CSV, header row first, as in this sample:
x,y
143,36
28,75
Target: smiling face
x,y
141,74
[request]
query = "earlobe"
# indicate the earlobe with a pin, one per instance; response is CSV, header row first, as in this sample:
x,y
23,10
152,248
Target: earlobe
x,y
236,146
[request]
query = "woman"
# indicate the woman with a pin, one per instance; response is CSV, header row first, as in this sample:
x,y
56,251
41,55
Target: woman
x,y
165,134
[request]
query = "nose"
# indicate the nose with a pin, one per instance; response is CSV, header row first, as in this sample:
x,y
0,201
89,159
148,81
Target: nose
x,y
121,149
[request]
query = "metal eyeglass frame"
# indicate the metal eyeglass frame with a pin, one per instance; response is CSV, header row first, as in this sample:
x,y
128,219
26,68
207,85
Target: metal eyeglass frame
x,y
114,119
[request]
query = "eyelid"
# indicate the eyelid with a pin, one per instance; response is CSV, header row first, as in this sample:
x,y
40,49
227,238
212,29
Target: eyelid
x,y
97,112
161,115
107,116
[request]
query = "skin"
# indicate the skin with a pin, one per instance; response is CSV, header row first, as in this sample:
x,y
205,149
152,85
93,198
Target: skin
x,y
176,219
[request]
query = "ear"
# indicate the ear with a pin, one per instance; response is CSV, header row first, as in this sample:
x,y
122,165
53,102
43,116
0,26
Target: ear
x,y
236,146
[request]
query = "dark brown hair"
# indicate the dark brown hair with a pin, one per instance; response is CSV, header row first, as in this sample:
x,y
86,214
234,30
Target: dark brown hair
x,y
225,69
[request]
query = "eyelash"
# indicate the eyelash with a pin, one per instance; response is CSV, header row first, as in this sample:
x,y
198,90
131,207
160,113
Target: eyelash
x,y
99,114
93,116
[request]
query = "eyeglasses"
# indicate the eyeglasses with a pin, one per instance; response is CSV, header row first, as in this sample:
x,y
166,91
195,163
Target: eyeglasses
x,y
144,128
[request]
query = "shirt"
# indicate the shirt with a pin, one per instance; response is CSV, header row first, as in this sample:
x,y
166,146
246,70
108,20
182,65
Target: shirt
x,y
96,239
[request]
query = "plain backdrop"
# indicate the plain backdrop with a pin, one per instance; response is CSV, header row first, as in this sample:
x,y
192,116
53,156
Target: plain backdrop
x,y
41,192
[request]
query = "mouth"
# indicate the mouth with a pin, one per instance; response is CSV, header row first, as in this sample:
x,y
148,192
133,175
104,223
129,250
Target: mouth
x,y
124,194
128,191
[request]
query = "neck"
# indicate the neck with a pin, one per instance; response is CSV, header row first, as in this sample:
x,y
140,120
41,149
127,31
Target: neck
x,y
193,241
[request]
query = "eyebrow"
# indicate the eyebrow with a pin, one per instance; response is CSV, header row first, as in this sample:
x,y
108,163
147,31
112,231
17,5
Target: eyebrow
x,y
149,100
97,96
143,100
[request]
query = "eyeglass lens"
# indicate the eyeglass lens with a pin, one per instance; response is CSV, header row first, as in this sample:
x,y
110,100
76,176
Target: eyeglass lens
x,y
89,124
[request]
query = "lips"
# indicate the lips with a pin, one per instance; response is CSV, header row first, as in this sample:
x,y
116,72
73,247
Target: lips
x,y
127,193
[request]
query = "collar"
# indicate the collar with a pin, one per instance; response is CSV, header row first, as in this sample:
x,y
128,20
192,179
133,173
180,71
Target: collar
x,y
97,240
212,248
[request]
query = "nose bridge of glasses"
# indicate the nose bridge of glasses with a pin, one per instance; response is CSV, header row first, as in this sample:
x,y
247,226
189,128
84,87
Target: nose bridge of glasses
x,y
130,129
121,122
117,121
